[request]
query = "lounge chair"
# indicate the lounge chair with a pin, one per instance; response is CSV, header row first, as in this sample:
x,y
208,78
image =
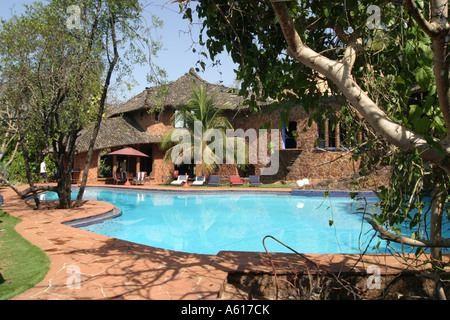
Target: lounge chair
x,y
236,181
139,179
124,177
148,178
254,180
180,180
213,180
199,181
117,179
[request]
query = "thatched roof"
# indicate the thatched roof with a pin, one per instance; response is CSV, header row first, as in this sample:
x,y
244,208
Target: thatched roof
x,y
178,93
115,132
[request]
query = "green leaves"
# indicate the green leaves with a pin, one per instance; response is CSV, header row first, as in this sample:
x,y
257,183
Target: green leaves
x,y
424,76
395,68
416,117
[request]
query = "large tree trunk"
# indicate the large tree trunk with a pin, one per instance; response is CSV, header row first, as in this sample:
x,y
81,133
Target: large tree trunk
x,y
27,164
437,210
111,67
340,72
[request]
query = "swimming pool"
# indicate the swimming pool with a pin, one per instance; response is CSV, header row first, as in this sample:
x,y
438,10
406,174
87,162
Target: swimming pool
x,y
235,221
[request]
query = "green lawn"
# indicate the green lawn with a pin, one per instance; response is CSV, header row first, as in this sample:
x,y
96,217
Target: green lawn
x,y
22,265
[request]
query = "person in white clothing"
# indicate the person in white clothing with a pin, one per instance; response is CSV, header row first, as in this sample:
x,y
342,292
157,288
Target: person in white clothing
x,y
43,172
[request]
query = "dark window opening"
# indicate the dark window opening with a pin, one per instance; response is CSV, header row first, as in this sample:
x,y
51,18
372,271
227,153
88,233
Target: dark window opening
x,y
291,135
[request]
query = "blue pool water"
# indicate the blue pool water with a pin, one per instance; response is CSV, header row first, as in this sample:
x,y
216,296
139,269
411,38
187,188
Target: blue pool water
x,y
209,223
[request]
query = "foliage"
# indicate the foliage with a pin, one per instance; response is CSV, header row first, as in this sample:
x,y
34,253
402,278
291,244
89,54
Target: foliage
x,y
202,121
55,74
395,64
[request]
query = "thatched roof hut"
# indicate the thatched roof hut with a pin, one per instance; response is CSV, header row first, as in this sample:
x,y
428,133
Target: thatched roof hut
x,y
114,132
177,93
119,129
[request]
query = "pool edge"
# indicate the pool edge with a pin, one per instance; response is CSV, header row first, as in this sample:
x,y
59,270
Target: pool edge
x,y
83,222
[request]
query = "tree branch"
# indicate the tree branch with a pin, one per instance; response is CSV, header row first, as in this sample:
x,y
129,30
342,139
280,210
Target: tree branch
x,y
429,28
34,188
384,234
338,72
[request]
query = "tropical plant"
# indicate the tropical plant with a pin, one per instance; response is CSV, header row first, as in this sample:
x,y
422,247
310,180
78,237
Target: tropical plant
x,y
201,122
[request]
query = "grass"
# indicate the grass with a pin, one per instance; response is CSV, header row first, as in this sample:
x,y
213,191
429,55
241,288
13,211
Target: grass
x,y
22,265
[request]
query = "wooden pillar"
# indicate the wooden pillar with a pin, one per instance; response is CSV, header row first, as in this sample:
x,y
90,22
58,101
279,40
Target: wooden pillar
x,y
138,165
114,164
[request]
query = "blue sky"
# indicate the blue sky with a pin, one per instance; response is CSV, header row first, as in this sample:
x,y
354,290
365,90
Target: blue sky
x,y
176,58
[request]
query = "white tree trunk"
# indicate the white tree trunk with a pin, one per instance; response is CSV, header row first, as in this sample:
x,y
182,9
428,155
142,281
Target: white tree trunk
x,y
340,73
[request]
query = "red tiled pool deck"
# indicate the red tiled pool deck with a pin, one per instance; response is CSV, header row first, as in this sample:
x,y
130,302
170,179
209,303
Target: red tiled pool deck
x,y
109,268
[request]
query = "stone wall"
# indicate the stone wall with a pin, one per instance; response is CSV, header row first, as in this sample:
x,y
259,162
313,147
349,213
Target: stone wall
x,y
320,166
306,161
79,162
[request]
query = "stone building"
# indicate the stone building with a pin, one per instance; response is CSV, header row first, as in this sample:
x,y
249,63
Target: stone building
x,y
144,119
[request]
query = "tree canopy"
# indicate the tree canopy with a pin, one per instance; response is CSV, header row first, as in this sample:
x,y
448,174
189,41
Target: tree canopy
x,y
57,62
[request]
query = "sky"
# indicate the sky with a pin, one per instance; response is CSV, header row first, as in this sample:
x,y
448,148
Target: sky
x,y
176,58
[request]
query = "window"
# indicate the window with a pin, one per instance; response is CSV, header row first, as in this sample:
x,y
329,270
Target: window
x,y
331,134
333,130
290,135
179,120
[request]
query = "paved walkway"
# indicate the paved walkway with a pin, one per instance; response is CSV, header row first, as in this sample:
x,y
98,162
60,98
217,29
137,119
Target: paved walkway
x,y
85,265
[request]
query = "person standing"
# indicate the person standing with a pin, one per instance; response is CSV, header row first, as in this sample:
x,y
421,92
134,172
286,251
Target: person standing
x,y
43,172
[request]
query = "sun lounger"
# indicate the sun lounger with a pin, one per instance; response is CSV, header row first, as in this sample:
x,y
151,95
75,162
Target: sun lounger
x,y
236,181
148,178
213,180
254,180
117,179
139,179
199,181
180,180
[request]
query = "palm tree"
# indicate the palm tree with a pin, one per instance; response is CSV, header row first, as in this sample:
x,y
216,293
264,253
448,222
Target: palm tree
x,y
202,122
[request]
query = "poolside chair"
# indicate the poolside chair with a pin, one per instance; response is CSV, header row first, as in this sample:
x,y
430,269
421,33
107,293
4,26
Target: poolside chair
x,y
254,180
144,179
117,179
180,180
214,180
139,179
199,181
236,181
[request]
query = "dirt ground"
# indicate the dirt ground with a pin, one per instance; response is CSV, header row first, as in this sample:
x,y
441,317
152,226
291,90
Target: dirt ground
x,y
252,286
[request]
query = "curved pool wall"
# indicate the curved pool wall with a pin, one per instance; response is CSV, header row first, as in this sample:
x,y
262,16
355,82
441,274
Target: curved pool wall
x,y
84,222
115,217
